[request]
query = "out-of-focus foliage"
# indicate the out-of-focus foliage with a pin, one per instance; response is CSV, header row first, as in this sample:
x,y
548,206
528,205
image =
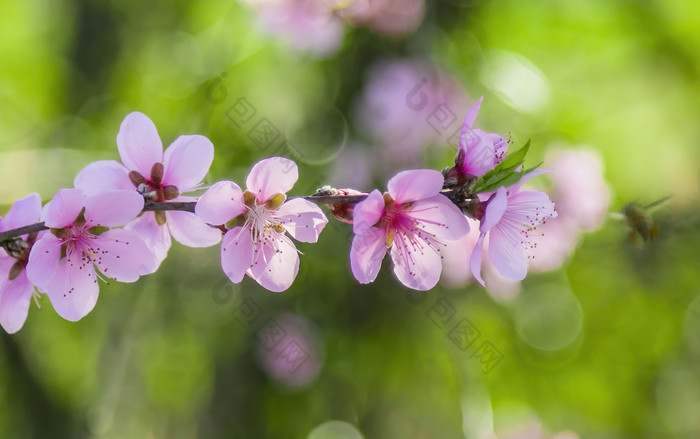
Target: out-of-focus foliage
x,y
606,346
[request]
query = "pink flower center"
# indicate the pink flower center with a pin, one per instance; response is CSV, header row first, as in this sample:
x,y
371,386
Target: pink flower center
x,y
153,189
407,232
81,248
262,222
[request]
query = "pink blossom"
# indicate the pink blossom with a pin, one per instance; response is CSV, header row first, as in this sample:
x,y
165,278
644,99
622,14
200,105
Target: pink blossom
x,y
453,263
579,189
510,219
256,243
455,274
15,289
479,151
582,198
62,263
306,25
297,358
557,242
158,177
389,17
412,222
406,105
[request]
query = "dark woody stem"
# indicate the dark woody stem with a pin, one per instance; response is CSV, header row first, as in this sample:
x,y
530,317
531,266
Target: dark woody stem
x,y
188,206
24,230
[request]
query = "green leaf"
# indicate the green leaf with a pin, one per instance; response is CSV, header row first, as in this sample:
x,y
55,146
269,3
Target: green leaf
x,y
504,174
517,158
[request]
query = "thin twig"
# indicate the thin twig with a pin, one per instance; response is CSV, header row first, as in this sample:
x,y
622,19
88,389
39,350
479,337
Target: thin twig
x,y
186,206
24,230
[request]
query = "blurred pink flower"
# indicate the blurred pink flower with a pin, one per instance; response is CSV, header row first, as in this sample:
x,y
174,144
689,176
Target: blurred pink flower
x,y
256,244
556,241
579,189
295,360
389,17
62,263
509,219
582,198
453,261
454,273
15,289
352,168
412,222
407,105
158,177
309,26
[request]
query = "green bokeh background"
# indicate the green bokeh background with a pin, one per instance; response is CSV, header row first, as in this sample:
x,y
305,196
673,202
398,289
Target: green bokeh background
x,y
606,347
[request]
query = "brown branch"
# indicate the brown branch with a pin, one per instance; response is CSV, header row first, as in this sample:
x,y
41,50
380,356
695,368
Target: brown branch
x,y
24,230
186,206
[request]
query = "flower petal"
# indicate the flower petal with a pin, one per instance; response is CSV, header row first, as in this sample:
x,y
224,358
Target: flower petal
x,y
475,260
122,255
556,240
113,209
43,259
156,237
25,211
495,209
187,161
15,297
366,254
440,217
480,152
73,291
417,268
499,287
6,263
221,203
469,119
527,177
272,176
506,251
303,219
189,229
530,208
412,185
368,212
275,266
456,257
237,253
103,176
139,144
64,208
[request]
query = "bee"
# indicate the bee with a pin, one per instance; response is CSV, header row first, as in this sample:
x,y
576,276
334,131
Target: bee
x,y
641,224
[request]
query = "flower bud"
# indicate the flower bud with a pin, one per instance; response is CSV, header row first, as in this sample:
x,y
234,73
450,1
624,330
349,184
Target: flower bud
x,y
157,173
170,192
15,270
136,178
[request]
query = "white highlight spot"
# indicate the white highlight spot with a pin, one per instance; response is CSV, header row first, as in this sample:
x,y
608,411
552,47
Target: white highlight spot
x,y
516,80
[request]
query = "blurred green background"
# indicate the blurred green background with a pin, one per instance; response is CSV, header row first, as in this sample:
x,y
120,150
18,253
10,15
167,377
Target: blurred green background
x,y
605,347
